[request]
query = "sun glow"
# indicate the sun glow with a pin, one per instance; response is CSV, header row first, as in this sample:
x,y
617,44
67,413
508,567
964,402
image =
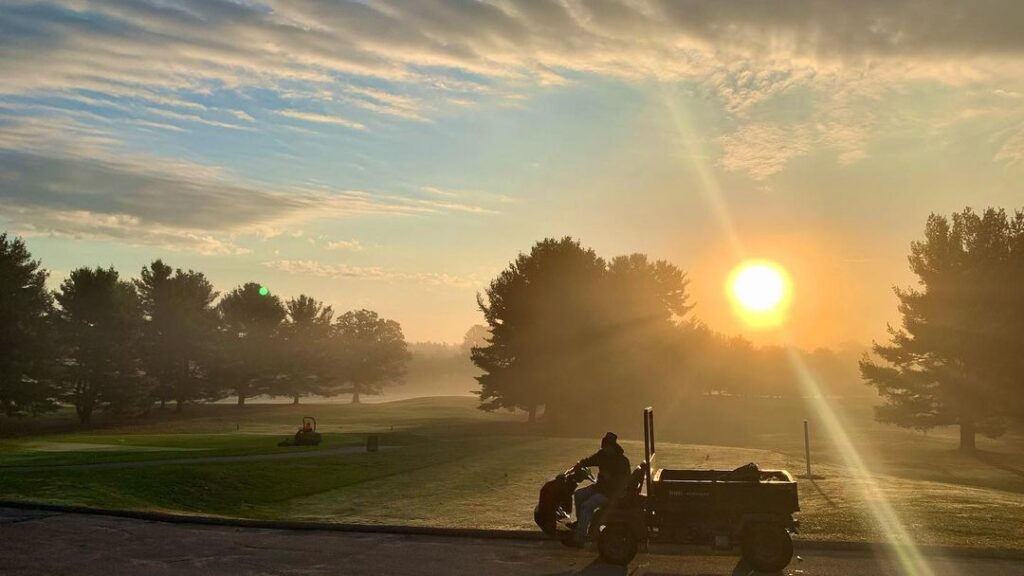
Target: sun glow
x,y
760,292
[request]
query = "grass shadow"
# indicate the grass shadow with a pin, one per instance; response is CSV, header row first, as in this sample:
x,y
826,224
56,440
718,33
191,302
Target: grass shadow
x,y
993,459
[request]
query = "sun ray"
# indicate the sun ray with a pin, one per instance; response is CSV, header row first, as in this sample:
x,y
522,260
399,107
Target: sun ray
x,y
909,557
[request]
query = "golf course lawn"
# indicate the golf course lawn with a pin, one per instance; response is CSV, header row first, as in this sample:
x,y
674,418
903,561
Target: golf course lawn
x,y
447,464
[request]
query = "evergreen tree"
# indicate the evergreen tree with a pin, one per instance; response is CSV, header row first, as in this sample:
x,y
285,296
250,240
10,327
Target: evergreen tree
x,y
958,349
26,345
542,312
99,324
306,335
178,332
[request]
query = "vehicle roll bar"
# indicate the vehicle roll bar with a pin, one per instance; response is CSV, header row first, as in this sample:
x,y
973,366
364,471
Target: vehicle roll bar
x,y
649,445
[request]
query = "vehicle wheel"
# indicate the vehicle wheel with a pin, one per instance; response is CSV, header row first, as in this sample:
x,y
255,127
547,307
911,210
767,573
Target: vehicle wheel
x,y
544,521
617,543
767,547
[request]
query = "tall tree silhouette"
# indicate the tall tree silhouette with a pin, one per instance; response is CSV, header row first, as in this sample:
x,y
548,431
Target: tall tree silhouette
x,y
306,336
26,349
542,312
572,331
250,357
958,348
178,332
99,324
368,353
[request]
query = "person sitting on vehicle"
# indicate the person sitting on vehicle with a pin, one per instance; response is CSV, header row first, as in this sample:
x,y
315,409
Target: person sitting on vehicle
x,y
613,474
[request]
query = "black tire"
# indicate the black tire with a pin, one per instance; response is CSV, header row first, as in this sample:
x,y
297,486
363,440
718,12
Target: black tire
x,y
767,547
545,522
617,543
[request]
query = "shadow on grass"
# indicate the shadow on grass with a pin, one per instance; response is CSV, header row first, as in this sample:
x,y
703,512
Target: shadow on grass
x,y
994,459
599,568
829,501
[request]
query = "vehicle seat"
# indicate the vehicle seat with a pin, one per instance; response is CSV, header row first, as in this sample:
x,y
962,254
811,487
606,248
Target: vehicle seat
x,y
631,491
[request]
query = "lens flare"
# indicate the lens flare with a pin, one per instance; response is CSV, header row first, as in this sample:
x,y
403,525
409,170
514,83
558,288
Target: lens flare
x,y
890,526
264,290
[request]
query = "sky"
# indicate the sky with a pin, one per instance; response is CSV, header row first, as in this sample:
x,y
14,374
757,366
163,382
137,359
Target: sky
x,y
397,155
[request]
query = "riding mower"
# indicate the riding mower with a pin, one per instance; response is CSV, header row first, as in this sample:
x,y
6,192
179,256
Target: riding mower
x,y
306,435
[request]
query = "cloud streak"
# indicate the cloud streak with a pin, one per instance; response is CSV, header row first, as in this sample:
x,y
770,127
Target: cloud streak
x,y
338,271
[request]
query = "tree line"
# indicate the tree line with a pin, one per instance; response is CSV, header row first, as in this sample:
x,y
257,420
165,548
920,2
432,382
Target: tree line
x,y
573,335
103,343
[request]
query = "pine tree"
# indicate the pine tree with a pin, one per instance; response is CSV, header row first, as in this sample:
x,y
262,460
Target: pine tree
x,y
953,357
26,338
99,323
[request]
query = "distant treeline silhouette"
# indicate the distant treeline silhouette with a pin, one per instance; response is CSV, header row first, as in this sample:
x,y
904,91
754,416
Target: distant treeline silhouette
x,y
101,343
577,337
574,336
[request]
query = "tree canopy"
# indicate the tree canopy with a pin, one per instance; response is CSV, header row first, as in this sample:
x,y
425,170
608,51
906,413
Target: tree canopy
x,y
98,323
956,358
249,351
178,331
570,330
25,332
369,353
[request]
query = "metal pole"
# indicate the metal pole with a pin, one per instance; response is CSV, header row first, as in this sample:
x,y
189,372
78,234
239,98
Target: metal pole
x,y
807,447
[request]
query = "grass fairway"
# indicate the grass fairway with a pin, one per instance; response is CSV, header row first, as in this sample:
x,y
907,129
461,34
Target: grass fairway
x,y
449,464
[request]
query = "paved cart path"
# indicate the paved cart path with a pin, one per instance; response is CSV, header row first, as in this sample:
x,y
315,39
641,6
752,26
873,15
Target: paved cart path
x,y
33,542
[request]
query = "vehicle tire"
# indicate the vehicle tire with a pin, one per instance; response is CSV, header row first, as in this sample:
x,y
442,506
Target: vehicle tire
x,y
767,547
617,543
545,522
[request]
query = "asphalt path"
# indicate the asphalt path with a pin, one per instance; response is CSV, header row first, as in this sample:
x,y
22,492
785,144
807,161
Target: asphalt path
x,y
55,543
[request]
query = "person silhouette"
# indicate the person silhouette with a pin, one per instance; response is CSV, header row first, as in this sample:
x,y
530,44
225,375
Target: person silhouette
x,y
613,473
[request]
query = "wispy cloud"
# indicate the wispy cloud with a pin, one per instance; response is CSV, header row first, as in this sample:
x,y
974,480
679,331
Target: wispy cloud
x,y
322,270
351,245
440,191
321,119
1012,150
64,178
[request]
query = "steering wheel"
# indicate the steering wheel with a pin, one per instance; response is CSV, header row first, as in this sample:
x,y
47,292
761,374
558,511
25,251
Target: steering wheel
x,y
582,473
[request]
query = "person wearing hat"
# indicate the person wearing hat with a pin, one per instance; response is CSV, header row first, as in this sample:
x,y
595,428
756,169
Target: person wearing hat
x,y
614,471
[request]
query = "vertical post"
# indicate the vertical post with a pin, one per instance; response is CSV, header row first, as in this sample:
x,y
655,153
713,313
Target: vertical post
x,y
807,447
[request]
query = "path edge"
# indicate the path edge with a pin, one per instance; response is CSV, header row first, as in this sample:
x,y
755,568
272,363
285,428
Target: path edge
x,y
480,533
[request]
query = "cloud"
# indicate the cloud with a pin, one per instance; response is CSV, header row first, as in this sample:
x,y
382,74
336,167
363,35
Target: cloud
x,y
60,177
139,46
336,271
352,245
407,61
762,150
1012,150
440,191
321,119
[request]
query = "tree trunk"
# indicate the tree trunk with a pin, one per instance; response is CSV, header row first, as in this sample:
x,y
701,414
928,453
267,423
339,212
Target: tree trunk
x,y
241,399
355,396
180,403
163,403
967,433
85,401
295,401
532,412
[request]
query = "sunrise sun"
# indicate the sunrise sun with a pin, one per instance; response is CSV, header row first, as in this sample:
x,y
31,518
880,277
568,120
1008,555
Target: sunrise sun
x,y
760,292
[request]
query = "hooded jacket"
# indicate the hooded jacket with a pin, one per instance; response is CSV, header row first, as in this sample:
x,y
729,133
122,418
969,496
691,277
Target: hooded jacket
x,y
614,469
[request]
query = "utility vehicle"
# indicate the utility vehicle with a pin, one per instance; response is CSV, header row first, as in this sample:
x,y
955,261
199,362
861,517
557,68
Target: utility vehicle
x,y
746,507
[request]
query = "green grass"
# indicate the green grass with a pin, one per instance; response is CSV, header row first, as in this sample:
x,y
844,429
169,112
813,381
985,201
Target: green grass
x,y
452,465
